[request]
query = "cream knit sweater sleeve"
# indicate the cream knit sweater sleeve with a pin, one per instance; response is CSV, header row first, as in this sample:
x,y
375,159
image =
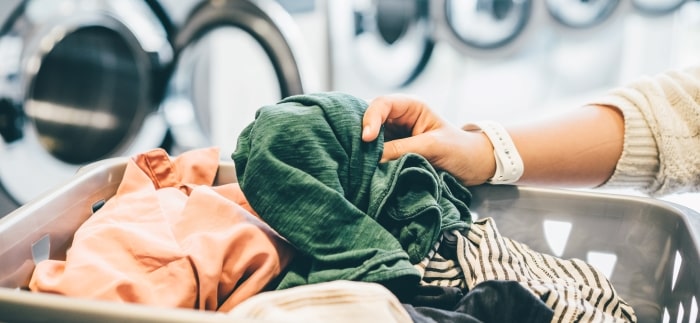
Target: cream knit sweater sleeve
x,y
661,153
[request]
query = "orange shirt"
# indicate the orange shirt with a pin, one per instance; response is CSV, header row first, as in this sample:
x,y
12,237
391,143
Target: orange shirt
x,y
168,237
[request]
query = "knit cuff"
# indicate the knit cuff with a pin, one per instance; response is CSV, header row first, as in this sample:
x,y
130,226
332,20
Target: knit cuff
x,y
639,162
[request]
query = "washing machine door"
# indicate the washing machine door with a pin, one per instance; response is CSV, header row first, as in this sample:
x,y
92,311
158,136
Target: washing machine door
x,y
232,57
81,81
485,29
391,42
581,13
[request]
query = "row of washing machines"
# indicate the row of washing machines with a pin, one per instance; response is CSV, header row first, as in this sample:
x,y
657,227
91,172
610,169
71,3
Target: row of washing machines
x,y
84,80
490,57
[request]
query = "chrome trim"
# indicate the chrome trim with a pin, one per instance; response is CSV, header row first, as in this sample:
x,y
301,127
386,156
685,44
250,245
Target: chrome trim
x,y
504,35
393,59
487,24
76,106
364,31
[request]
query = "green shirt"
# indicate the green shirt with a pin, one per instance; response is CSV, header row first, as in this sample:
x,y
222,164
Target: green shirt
x,y
305,170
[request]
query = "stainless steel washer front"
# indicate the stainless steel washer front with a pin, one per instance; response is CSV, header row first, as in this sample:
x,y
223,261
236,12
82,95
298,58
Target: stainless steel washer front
x,y
81,81
392,40
485,28
232,57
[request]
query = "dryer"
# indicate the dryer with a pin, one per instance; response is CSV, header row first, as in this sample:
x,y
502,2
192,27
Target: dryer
x,y
81,81
232,57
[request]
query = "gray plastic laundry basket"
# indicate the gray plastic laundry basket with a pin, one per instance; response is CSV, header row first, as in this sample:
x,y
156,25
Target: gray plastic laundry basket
x,y
648,248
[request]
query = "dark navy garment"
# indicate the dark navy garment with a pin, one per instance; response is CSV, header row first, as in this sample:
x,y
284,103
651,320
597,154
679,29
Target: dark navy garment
x,y
489,301
441,297
305,170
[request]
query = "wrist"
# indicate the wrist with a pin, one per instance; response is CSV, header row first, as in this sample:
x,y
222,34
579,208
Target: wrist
x,y
485,159
505,160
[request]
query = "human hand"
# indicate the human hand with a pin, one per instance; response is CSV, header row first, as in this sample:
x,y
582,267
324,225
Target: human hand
x,y
410,126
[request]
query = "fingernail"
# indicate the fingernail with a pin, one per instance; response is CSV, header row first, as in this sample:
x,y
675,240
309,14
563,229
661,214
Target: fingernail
x,y
365,132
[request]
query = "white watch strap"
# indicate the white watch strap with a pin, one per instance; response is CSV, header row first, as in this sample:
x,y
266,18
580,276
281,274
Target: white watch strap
x,y
509,165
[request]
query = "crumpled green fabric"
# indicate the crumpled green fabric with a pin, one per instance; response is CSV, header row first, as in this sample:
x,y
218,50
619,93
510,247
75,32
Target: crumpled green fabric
x,y
305,170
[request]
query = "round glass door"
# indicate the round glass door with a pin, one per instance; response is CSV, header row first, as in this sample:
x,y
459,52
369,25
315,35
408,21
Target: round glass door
x,y
232,58
219,82
80,83
487,24
392,42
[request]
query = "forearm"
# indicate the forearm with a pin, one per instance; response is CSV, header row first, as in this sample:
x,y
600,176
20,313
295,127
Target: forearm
x,y
578,148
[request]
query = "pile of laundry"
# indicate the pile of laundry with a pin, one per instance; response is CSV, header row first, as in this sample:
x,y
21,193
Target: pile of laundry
x,y
316,229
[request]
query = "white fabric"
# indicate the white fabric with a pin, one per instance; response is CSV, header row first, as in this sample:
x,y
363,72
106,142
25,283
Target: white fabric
x,y
335,301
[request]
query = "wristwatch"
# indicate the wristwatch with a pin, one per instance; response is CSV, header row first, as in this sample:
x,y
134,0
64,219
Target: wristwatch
x,y
509,165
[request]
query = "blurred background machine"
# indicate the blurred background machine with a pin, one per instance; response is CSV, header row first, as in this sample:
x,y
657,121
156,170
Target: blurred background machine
x,y
231,58
79,81
83,80
502,59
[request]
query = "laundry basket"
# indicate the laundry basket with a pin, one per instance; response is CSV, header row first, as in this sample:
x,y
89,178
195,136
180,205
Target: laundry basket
x,y
648,248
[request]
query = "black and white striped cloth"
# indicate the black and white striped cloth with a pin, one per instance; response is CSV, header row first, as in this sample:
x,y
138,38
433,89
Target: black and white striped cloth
x,y
572,288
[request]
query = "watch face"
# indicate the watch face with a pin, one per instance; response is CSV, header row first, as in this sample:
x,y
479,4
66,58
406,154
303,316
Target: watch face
x,y
657,6
581,13
392,40
487,24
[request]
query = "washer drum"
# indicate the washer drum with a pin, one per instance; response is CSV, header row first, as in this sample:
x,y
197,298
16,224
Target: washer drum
x,y
387,41
232,57
80,82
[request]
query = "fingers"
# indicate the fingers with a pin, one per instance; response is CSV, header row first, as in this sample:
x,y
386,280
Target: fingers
x,y
394,149
396,106
376,114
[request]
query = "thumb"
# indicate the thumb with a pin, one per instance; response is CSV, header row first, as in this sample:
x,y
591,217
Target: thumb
x,y
396,148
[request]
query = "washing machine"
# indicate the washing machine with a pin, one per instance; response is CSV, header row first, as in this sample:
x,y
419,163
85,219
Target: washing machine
x,y
468,59
500,59
81,81
90,79
232,57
